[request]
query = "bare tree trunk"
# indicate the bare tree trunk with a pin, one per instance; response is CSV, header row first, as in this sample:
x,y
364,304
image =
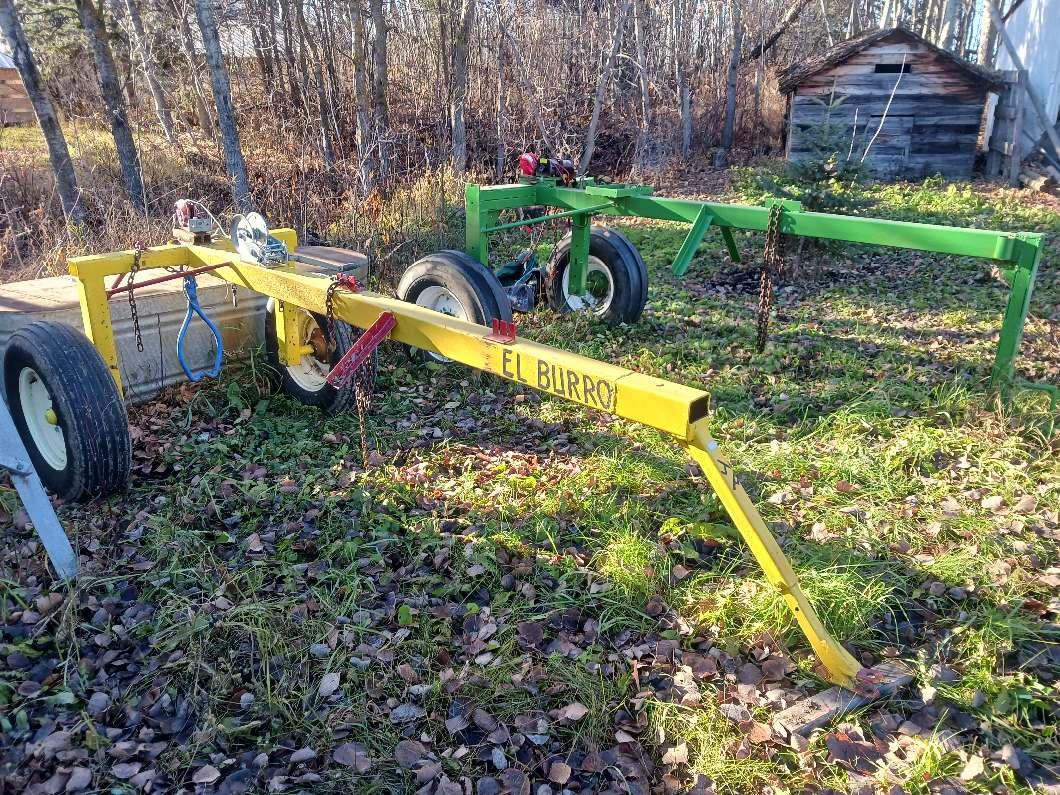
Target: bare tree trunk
x,y
987,41
327,148
188,47
226,118
110,88
499,110
948,25
380,86
293,84
644,133
58,153
684,95
143,46
790,16
602,79
461,41
365,136
827,25
732,83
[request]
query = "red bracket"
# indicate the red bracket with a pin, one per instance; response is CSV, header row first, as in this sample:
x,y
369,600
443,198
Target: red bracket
x,y
503,331
348,282
359,352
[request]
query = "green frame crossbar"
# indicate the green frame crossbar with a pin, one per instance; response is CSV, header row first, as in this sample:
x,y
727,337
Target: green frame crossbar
x,y
1018,253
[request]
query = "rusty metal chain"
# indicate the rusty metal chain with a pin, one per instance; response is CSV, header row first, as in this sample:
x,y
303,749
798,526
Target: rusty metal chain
x,y
772,264
363,380
138,254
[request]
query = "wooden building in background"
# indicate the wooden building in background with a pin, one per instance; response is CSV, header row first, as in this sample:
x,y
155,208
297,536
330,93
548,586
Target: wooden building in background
x,y
15,107
915,107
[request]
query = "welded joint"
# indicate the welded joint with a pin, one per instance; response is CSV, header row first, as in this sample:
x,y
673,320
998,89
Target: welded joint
x,y
503,331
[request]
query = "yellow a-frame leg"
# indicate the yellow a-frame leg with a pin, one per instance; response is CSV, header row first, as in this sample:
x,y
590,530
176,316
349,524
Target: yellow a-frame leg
x,y
841,665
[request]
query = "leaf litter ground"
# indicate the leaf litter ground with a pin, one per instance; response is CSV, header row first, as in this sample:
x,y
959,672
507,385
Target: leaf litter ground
x,y
523,596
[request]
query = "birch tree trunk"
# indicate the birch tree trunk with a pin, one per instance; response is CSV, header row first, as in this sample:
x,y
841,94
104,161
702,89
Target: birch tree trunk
x,y
58,153
143,47
188,47
987,41
732,83
461,41
365,135
380,86
602,79
110,88
948,25
644,133
226,118
327,147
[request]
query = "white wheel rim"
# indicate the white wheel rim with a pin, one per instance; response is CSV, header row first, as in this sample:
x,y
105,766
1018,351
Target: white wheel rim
x,y
41,418
441,299
593,300
310,373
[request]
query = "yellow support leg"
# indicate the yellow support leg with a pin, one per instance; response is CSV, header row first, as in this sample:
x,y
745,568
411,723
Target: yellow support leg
x,y
841,665
289,333
95,314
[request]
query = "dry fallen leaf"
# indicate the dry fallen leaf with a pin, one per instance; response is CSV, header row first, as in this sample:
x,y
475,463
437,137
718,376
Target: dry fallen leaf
x,y
353,755
329,684
408,753
207,774
993,503
574,711
973,768
559,772
676,755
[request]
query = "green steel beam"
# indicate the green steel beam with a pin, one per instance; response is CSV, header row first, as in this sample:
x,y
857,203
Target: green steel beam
x,y
1019,252
1028,254
730,244
578,267
541,219
692,241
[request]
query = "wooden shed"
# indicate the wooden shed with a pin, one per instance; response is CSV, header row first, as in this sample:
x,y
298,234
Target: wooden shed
x,y
15,107
916,107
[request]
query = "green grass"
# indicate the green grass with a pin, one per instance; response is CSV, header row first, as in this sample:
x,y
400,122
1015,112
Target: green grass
x,y
866,434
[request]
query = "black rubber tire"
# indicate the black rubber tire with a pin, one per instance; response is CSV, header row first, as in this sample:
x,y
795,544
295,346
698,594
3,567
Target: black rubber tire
x,y
87,404
327,397
471,283
627,269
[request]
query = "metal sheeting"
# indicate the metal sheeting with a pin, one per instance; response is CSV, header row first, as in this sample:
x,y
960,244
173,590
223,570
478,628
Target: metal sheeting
x,y
161,309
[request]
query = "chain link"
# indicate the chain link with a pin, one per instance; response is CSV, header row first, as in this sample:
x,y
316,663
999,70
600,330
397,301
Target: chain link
x,y
772,265
363,380
138,254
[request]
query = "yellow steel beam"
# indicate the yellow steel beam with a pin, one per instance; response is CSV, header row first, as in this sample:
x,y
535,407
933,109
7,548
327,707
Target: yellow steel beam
x,y
841,666
678,410
92,270
616,390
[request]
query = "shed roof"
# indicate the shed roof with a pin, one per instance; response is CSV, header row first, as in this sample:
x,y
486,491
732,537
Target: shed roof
x,y
792,76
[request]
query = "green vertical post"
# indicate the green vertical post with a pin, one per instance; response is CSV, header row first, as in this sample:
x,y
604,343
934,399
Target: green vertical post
x,y
730,244
1029,255
579,254
476,244
692,241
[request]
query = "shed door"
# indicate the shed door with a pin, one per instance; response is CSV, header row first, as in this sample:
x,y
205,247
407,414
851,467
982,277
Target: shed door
x,y
890,150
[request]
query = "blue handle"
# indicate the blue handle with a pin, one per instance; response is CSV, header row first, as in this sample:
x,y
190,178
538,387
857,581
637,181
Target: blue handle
x,y
191,290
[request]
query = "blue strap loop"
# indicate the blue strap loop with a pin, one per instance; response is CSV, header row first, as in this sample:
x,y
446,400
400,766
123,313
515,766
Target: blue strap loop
x,y
191,291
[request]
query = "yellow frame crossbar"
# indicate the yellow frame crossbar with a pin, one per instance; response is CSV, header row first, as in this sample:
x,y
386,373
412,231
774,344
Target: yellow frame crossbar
x,y
680,411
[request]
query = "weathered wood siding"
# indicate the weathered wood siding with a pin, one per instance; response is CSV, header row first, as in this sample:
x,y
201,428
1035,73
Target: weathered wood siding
x,y
15,107
931,127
